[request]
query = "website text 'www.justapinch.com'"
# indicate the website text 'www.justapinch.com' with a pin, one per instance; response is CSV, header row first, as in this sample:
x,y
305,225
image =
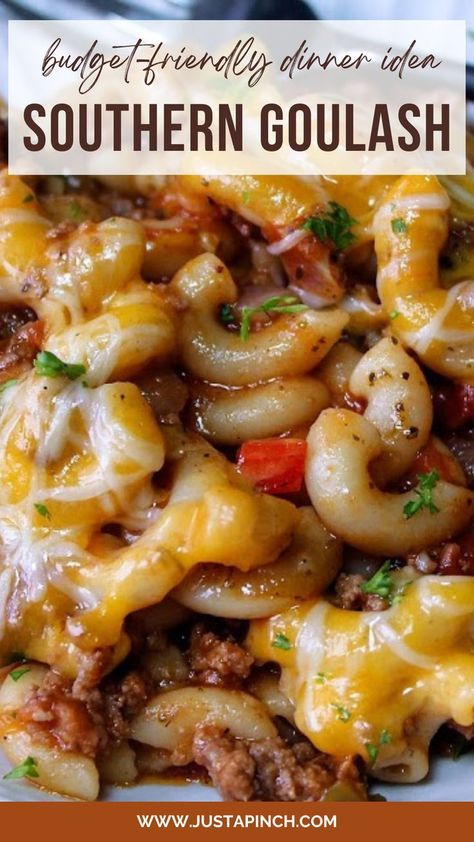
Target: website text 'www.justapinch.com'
x,y
155,821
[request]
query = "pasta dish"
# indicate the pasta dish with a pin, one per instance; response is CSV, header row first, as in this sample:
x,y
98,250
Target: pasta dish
x,y
236,472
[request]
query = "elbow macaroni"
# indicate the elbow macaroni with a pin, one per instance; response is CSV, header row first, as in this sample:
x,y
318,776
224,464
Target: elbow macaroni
x,y
437,323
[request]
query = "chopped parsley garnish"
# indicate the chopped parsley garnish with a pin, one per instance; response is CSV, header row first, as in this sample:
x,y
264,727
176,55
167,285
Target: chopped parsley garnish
x,y
333,226
28,198
396,598
424,495
385,737
373,750
321,677
226,314
74,211
27,769
276,304
399,226
15,675
381,582
280,641
7,384
344,714
42,510
49,365
246,196
393,314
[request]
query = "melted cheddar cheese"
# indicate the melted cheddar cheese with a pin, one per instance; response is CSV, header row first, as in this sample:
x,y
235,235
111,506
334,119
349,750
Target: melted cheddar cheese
x,y
384,679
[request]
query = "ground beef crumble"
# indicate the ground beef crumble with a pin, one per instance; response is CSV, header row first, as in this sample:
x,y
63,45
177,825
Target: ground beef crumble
x,y
19,350
453,558
51,714
83,719
269,770
350,596
216,661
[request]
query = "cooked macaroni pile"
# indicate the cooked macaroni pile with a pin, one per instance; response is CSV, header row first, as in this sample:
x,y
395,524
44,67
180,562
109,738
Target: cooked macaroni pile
x,y
236,438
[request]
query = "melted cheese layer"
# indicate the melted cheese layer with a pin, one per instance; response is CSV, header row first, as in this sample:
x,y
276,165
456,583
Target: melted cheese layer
x,y
385,679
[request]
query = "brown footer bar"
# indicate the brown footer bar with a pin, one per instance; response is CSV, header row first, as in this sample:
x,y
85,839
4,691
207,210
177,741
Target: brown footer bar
x,y
183,821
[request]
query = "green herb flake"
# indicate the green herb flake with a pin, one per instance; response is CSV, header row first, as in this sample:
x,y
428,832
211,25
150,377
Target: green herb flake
x,y
424,495
75,212
42,510
393,314
226,314
396,598
333,226
8,384
381,582
399,226
321,677
27,769
15,675
385,737
246,196
276,304
373,750
280,641
343,714
28,198
373,753
49,365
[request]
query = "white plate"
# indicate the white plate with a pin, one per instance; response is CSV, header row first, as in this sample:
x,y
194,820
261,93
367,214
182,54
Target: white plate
x,y
449,781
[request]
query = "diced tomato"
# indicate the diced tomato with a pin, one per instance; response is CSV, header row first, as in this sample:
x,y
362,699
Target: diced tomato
x,y
454,404
311,271
273,465
431,458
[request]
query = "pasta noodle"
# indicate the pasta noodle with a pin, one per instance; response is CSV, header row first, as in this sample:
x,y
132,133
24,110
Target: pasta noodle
x,y
307,567
169,719
342,444
269,409
436,323
293,345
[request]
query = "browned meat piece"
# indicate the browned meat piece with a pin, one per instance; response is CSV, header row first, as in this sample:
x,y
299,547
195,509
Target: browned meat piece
x,y
81,717
52,715
456,559
216,661
268,770
13,318
349,594
120,702
93,668
113,705
229,764
18,352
